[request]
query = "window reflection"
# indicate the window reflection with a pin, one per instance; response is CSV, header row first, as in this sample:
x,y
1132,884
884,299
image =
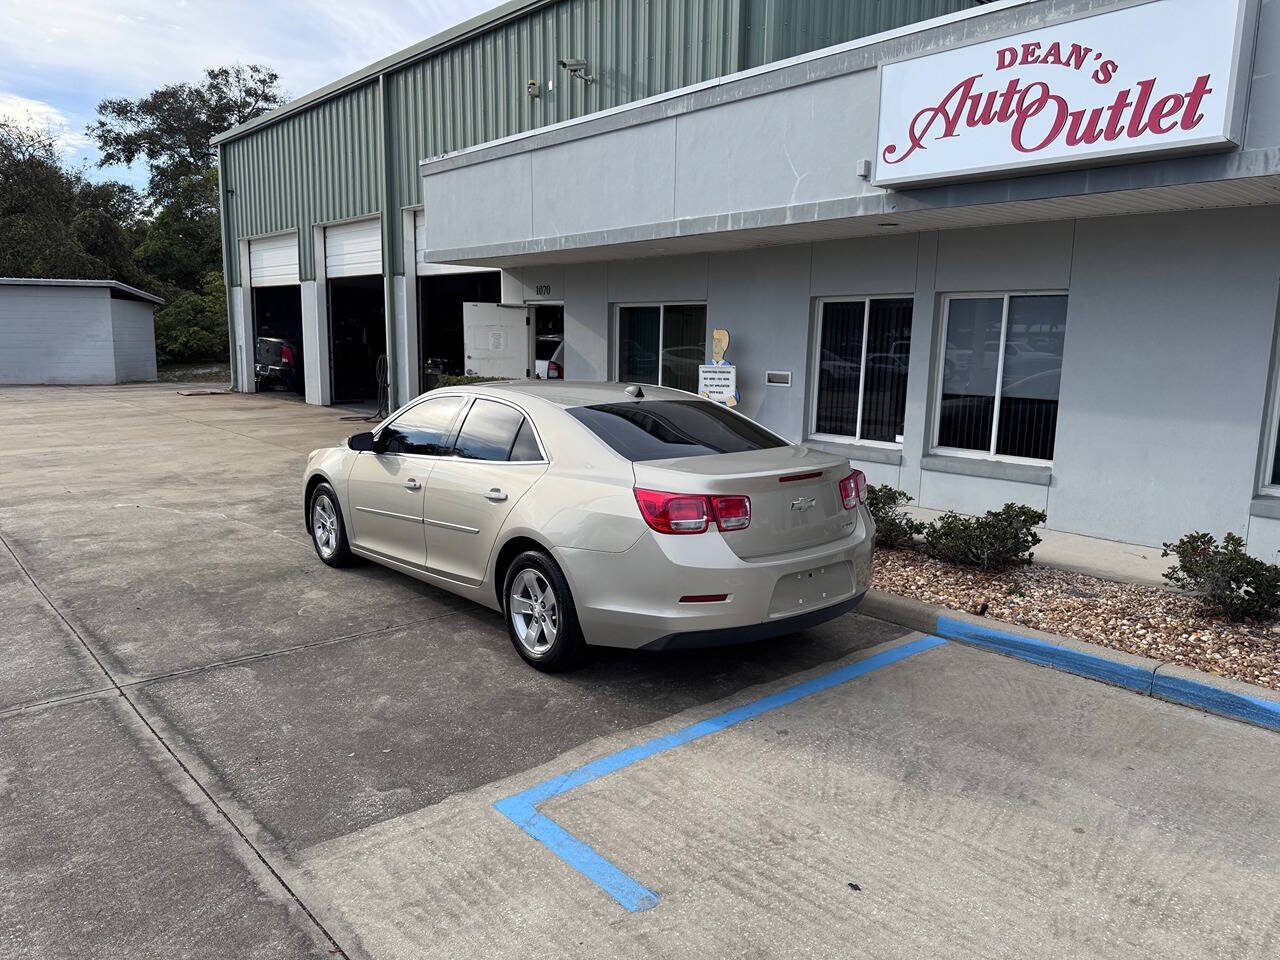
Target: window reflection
x,y
1023,413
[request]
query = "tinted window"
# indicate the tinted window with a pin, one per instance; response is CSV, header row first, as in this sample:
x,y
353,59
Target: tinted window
x,y
489,431
424,428
526,445
658,429
1016,414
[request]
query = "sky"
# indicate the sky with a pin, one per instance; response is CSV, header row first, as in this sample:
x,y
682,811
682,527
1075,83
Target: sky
x,y
58,58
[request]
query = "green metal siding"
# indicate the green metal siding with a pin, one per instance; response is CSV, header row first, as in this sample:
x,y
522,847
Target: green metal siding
x,y
315,166
777,29
476,91
323,163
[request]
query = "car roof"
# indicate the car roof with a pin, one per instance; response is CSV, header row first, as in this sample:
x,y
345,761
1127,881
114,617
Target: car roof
x,y
573,393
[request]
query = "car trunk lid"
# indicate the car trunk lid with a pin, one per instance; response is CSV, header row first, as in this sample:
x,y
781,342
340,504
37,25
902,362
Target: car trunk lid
x,y
794,491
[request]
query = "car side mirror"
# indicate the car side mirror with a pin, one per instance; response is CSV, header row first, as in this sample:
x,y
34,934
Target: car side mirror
x,y
361,441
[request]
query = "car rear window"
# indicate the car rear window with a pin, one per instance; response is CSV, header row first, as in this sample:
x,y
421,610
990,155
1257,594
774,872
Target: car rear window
x,y
661,429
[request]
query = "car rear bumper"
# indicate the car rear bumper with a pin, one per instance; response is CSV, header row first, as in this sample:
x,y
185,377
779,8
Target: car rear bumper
x,y
636,598
265,371
725,636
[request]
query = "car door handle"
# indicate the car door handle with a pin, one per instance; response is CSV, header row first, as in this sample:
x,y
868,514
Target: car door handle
x,y
496,495
412,484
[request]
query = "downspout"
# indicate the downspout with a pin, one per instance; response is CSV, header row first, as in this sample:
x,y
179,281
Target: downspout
x,y
388,269
226,269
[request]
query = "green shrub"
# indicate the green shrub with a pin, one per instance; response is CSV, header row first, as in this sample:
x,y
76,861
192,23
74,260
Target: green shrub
x,y
1000,538
894,528
1224,578
192,326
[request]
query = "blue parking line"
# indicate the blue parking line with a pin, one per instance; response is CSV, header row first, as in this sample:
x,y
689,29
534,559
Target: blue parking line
x,y
521,808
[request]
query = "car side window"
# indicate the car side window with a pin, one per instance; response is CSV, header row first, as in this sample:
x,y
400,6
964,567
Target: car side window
x,y
423,429
526,445
489,432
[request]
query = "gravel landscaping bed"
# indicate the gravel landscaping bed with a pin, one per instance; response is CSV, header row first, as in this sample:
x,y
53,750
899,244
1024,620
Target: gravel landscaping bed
x,y
1148,621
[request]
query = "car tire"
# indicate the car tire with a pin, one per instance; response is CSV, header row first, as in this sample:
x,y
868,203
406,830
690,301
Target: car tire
x,y
542,620
328,529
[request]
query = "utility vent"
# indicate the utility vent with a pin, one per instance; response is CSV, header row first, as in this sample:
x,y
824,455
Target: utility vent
x,y
778,378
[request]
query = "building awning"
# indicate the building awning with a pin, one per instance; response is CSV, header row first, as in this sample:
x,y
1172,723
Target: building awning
x,y
792,153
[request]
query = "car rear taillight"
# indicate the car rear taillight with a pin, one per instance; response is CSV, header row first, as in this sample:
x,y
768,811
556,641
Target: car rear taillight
x,y
286,354
853,489
673,512
732,513
553,371
692,512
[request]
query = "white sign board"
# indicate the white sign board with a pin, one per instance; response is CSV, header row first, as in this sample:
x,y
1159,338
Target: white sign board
x,y
1153,77
717,382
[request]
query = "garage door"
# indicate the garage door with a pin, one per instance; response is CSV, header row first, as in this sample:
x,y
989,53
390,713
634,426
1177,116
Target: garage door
x,y
353,249
273,261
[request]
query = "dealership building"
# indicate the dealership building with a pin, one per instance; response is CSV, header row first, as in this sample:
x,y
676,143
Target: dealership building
x,y
1026,250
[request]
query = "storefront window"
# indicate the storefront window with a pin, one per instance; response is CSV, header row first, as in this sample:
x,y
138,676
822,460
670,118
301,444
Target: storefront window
x,y
1002,365
1271,482
663,344
861,391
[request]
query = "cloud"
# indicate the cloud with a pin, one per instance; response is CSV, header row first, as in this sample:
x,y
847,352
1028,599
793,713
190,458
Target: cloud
x,y
89,49
58,60
43,117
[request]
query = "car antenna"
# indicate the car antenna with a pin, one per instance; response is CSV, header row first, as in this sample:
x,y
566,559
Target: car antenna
x,y
634,390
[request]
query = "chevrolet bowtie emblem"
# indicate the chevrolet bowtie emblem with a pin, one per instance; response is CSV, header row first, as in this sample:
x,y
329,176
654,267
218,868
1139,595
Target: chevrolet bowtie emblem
x,y
803,503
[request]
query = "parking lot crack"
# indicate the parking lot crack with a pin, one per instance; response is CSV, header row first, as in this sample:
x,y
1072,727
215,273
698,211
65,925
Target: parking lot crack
x,y
146,723
284,651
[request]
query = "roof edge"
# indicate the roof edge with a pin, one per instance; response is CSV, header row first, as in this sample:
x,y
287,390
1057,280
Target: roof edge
x,y
446,38
116,285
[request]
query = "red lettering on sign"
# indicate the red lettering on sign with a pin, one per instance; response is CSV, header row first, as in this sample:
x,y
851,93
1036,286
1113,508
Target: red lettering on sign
x,y
1038,117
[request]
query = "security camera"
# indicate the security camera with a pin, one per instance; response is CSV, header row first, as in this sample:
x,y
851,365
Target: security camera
x,y
577,67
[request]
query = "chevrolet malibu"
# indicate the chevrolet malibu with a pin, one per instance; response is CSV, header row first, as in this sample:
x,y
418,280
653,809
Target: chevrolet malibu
x,y
599,513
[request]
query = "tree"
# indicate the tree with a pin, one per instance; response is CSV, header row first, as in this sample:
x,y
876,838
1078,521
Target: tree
x,y
170,128
183,241
193,325
178,243
53,222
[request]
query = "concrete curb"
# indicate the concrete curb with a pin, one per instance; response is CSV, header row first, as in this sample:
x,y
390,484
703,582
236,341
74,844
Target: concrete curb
x,y
1154,678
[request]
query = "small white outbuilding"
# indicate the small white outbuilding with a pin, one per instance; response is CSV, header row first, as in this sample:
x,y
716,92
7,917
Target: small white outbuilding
x,y
75,331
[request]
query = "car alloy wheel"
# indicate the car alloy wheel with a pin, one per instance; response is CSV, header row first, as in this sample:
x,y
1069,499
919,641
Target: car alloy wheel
x,y
535,616
324,526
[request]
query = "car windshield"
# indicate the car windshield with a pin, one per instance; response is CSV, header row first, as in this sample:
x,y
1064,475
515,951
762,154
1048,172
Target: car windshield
x,y
662,429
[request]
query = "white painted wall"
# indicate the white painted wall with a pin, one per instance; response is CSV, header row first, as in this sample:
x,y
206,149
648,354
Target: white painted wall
x,y
1170,330
133,331
56,335
315,347
242,326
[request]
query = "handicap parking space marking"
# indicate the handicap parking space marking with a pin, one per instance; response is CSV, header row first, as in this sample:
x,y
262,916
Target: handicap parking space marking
x,y
522,808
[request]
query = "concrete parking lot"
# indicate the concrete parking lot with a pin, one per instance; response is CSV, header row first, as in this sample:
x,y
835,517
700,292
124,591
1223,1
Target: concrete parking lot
x,y
212,745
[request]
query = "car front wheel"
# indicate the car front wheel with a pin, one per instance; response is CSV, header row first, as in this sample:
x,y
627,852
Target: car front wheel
x,y
328,532
541,617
